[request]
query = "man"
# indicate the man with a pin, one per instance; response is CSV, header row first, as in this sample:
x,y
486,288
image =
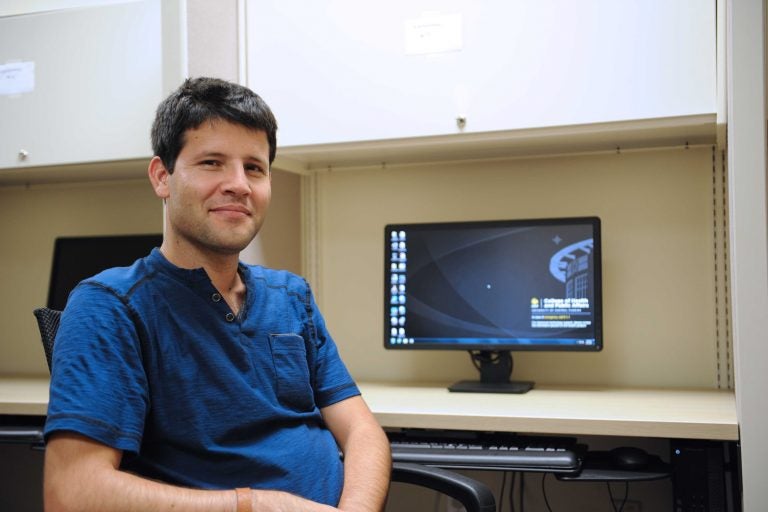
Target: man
x,y
191,381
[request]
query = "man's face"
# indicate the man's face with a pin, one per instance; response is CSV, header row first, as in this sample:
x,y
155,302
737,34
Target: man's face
x,y
219,192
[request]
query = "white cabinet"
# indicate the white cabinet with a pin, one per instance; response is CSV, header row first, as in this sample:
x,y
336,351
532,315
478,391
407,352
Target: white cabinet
x,y
344,70
79,85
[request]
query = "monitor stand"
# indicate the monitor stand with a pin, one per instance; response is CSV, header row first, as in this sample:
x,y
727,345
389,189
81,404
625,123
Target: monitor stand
x,y
495,369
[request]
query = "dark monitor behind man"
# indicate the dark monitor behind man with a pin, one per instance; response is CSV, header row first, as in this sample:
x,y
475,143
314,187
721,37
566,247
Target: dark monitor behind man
x,y
191,381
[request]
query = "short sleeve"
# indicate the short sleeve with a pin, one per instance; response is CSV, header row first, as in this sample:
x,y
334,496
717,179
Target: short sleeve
x,y
333,382
98,384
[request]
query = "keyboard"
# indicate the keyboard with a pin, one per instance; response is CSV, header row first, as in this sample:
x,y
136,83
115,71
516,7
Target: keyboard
x,y
487,451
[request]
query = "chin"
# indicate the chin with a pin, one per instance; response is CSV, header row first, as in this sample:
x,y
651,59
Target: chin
x,y
228,247
235,247
225,240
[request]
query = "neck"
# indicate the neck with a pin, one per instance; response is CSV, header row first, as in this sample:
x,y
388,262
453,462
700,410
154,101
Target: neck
x,y
221,269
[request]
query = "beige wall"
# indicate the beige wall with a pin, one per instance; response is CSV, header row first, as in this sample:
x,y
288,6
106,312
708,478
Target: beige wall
x,y
32,217
656,208
657,213
278,245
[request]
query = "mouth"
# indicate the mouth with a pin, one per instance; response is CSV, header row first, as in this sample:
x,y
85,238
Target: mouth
x,y
232,210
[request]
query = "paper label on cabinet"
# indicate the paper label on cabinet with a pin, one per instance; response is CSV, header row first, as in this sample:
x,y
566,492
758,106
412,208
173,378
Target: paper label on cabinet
x,y
17,78
433,33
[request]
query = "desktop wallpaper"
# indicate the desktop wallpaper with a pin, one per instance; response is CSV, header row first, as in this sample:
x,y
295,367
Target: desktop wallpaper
x,y
493,284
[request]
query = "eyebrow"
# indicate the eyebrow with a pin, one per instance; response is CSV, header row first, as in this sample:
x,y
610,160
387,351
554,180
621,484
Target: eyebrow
x,y
219,154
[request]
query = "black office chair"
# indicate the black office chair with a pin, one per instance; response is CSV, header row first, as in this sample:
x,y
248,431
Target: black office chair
x,y
472,494
48,323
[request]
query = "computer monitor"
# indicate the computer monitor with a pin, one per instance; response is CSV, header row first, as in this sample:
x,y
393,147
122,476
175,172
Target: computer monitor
x,y
76,258
493,287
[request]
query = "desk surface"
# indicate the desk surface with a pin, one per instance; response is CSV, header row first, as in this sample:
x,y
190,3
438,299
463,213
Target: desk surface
x,y
23,396
665,413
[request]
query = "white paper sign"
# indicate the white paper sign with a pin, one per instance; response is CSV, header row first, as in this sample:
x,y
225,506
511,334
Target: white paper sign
x,y
17,78
433,33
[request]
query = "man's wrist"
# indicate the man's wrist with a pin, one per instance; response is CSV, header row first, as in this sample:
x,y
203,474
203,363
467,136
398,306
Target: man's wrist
x,y
244,499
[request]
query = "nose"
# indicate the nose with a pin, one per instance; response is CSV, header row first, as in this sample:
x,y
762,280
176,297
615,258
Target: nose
x,y
236,181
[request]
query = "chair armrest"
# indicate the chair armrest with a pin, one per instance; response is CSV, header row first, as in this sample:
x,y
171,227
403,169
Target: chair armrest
x,y
474,495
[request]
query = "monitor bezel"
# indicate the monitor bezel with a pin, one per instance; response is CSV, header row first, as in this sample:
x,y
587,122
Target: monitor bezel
x,y
144,240
594,221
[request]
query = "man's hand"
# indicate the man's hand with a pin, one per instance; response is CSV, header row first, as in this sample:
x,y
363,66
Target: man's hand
x,y
278,501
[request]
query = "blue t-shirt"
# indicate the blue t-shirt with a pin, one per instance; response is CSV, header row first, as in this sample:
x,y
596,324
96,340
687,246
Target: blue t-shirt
x,y
150,360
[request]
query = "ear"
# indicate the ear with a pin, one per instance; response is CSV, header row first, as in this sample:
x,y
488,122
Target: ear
x,y
158,176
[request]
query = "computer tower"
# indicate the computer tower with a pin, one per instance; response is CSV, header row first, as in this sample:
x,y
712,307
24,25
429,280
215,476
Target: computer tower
x,y
700,480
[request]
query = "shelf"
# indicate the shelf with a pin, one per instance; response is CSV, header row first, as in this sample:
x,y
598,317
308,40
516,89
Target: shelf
x,y
74,173
598,467
532,142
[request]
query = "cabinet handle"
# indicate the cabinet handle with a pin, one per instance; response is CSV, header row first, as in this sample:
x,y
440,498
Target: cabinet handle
x,y
23,154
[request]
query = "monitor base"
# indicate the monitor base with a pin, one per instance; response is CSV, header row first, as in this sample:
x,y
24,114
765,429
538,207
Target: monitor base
x,y
476,386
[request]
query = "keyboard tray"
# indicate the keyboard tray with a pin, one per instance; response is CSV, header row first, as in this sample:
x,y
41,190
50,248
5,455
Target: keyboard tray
x,y
487,451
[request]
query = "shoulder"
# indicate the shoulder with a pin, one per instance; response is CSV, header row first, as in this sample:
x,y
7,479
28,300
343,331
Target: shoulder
x,y
279,285
121,281
274,278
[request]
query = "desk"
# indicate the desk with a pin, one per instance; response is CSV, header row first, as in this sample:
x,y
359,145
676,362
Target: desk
x,y
24,396
572,411
677,415
662,413
23,405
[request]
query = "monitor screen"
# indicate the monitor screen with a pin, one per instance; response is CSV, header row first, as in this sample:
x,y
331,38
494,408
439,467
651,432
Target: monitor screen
x,y
76,258
494,286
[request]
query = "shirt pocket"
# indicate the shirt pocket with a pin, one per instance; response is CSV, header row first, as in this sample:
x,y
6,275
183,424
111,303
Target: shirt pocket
x,y
292,383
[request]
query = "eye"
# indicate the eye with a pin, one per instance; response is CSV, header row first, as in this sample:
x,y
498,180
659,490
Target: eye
x,y
210,163
256,170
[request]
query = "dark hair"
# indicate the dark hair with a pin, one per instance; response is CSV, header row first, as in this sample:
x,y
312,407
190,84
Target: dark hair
x,y
207,99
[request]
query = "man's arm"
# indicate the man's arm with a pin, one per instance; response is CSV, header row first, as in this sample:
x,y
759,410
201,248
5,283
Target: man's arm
x,y
83,475
367,458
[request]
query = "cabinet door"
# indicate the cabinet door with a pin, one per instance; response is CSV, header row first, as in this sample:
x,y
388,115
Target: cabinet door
x,y
79,85
345,70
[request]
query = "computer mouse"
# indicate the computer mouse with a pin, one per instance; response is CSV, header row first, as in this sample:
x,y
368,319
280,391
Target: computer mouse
x,y
629,457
